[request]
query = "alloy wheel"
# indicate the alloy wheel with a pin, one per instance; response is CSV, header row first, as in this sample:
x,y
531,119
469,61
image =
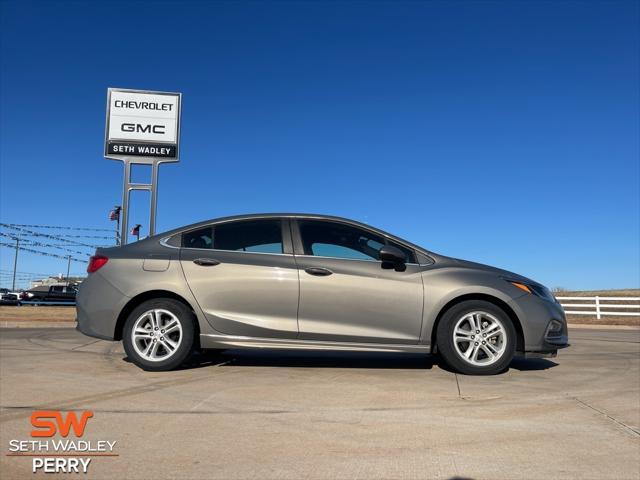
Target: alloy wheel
x,y
156,335
479,338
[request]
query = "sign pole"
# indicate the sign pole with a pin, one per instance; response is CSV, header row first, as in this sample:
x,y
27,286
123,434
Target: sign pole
x,y
125,202
154,198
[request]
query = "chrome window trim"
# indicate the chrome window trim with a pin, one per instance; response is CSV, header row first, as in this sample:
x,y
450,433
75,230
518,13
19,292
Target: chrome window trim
x,y
234,251
163,241
350,259
302,217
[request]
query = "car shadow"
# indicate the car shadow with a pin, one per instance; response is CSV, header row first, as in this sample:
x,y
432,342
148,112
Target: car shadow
x,y
518,363
333,359
301,359
531,364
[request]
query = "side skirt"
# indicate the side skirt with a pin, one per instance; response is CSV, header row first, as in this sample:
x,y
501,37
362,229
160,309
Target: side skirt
x,y
224,341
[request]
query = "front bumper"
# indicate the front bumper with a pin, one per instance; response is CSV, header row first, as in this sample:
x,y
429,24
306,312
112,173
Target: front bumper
x,y
535,315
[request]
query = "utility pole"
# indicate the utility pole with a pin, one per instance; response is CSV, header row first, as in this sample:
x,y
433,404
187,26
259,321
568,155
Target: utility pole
x,y
15,265
68,267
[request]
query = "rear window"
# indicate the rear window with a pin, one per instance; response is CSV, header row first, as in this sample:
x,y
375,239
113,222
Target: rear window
x,y
258,236
201,238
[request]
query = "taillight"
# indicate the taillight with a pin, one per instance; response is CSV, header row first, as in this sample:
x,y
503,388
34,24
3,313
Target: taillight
x,y
96,263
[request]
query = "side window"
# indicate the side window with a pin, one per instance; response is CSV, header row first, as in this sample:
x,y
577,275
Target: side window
x,y
175,240
328,239
262,236
201,238
337,240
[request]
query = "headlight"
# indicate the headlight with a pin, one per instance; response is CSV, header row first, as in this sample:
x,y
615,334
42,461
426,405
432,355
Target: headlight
x,y
537,290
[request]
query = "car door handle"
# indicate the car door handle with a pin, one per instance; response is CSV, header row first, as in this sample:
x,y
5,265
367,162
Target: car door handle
x,y
206,262
318,271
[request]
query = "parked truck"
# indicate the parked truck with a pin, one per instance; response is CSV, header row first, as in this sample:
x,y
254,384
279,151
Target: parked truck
x,y
53,293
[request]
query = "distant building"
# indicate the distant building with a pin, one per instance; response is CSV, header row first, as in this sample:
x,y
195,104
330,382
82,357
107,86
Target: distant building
x,y
55,280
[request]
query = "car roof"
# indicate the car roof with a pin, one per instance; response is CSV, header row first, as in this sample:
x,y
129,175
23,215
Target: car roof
x,y
258,216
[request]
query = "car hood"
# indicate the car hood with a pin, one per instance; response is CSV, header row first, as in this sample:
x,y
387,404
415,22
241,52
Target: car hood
x,y
488,268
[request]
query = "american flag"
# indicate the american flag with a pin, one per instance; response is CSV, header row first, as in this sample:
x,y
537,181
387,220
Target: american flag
x,y
114,214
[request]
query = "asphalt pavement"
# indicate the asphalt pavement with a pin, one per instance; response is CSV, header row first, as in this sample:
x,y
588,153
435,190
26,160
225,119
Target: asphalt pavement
x,y
294,415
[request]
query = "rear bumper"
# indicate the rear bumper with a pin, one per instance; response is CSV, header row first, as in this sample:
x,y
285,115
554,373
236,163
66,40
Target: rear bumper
x,y
83,328
97,305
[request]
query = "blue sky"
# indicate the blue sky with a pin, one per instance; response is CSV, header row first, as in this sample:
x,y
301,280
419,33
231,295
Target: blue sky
x,y
501,132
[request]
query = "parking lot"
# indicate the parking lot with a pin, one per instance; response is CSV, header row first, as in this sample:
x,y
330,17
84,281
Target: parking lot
x,y
333,415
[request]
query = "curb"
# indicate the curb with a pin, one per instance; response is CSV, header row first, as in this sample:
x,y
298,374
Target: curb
x,y
602,327
19,324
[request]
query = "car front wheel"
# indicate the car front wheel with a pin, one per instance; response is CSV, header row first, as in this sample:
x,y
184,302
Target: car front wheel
x,y
159,334
476,338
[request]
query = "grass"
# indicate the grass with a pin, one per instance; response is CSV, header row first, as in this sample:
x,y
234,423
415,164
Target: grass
x,y
628,292
30,313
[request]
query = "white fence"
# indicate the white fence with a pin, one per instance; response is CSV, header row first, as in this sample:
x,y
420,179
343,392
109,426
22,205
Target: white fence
x,y
600,306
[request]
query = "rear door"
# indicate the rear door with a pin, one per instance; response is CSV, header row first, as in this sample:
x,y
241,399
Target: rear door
x,y
347,294
244,276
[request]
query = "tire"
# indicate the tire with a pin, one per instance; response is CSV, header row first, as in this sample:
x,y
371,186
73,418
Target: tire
x,y
171,349
464,350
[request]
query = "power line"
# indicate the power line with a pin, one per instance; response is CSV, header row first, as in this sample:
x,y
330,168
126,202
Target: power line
x,y
34,243
39,252
59,228
71,244
100,237
22,274
5,276
44,235
46,245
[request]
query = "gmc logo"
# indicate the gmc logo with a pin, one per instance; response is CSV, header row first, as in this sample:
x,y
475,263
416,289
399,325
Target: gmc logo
x,y
136,127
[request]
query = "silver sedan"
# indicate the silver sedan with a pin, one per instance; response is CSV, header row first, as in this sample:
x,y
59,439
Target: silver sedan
x,y
298,281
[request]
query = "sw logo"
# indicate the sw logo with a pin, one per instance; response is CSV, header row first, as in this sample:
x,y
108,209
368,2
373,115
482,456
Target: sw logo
x,y
47,423
60,455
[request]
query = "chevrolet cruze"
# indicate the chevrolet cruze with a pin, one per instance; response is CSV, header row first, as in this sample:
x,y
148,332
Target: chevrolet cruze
x,y
313,282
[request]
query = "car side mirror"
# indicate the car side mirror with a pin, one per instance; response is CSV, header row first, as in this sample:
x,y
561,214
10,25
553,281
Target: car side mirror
x,y
392,255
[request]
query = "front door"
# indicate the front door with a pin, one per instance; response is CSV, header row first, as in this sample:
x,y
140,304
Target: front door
x,y
244,277
347,294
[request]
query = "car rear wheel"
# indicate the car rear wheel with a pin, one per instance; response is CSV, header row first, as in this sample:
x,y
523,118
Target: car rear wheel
x,y
159,334
476,338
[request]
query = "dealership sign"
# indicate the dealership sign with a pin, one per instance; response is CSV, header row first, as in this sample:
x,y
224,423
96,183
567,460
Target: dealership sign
x,y
142,125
